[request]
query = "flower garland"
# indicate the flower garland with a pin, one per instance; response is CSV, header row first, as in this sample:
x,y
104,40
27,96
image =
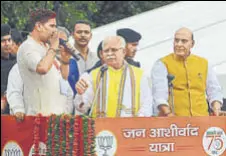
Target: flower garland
x,y
70,136
81,138
85,135
37,124
57,135
49,139
91,137
76,136
67,119
53,133
62,135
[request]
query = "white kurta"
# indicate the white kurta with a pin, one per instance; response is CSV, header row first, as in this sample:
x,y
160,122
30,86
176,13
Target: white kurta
x,y
42,93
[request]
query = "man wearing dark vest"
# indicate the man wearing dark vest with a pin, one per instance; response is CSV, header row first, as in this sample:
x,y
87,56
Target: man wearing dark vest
x,y
191,79
132,39
7,62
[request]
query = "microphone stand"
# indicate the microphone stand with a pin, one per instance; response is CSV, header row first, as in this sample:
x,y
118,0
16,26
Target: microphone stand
x,y
103,69
171,96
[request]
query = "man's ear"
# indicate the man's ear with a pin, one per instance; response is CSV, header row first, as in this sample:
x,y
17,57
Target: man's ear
x,y
38,26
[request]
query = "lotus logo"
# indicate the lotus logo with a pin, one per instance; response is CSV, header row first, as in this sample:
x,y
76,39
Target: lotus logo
x,y
106,144
12,149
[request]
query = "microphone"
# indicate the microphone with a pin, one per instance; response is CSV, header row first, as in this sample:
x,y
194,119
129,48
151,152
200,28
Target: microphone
x,y
69,50
102,70
170,78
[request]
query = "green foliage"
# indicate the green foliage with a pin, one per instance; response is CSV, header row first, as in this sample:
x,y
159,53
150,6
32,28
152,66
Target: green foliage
x,y
16,13
110,11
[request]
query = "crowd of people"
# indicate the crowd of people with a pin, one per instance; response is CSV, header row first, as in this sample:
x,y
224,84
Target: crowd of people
x,y
45,74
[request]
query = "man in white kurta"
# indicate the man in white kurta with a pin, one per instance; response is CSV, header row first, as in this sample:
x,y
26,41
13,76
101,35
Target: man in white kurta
x,y
42,93
15,88
123,89
36,58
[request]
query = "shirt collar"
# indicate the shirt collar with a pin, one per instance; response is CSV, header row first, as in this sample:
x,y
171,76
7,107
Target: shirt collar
x,y
180,58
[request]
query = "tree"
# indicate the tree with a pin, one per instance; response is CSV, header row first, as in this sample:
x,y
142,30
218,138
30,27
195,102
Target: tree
x,y
110,11
16,13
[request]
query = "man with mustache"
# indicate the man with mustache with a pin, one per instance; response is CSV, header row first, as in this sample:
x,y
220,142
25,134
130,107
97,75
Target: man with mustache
x,y
38,68
7,62
192,79
132,39
124,90
87,59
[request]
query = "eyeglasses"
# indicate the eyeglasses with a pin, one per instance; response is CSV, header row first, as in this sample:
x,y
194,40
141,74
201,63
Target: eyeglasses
x,y
114,50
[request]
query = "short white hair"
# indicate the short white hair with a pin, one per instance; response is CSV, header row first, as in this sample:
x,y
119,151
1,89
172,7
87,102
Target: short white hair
x,y
64,30
119,38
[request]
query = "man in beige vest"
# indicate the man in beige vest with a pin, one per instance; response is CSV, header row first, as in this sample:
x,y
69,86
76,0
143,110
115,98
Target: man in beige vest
x,y
191,79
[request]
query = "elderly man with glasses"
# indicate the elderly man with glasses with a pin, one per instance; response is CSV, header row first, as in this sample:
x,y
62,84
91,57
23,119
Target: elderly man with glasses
x,y
116,89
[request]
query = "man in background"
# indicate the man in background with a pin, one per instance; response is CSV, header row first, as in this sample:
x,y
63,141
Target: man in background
x,y
82,35
7,62
17,39
101,61
132,39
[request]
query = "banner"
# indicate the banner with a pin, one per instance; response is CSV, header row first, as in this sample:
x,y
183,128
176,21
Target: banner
x,y
157,136
53,135
17,137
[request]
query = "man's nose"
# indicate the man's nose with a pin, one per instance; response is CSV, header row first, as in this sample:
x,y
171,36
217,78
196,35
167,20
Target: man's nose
x,y
110,52
179,43
83,34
